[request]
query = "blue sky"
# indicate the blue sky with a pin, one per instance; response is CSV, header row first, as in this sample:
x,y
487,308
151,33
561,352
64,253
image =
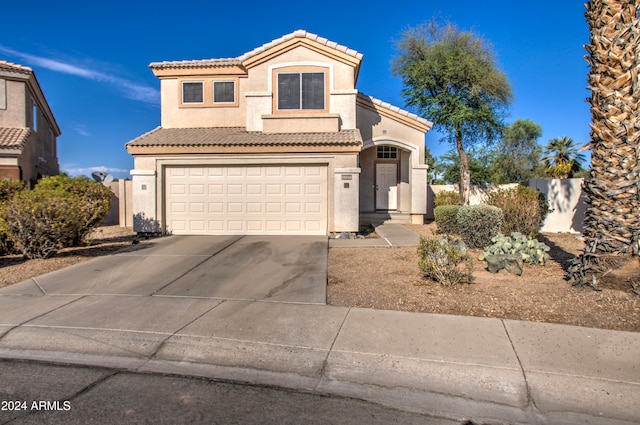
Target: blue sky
x,y
91,58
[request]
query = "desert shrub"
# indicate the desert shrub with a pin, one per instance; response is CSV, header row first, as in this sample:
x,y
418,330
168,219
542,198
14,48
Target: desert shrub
x,y
8,188
445,260
531,250
447,197
446,218
478,224
41,223
93,198
524,209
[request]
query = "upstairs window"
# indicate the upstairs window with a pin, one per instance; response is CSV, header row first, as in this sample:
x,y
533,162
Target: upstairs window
x,y
192,92
224,92
301,90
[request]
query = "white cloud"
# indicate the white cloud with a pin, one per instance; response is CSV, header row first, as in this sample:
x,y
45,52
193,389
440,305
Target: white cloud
x,y
73,170
127,88
80,129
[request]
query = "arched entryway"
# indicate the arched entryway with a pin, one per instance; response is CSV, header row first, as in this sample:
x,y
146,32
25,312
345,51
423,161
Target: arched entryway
x,y
385,180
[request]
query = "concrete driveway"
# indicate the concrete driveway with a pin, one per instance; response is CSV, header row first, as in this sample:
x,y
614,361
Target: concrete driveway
x,y
271,268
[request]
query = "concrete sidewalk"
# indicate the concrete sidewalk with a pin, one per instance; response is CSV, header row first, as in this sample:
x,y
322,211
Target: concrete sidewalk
x,y
246,309
488,370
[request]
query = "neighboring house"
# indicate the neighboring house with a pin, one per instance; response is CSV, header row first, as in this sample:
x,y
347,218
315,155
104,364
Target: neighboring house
x,y
28,129
276,141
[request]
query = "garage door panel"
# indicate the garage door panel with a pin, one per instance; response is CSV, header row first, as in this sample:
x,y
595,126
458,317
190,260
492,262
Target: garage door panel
x,y
247,200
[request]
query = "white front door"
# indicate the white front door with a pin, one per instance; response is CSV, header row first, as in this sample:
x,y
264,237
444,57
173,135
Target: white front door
x,y
386,186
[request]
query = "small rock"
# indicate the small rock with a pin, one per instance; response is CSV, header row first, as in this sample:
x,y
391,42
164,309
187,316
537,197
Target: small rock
x,y
509,262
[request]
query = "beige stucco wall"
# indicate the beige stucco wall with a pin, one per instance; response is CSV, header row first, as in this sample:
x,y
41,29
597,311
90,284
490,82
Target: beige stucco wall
x,y
566,199
16,105
260,93
173,115
568,204
148,188
376,130
39,153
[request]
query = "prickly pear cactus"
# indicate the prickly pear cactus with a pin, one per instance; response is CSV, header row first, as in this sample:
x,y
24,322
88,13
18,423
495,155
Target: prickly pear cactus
x,y
531,250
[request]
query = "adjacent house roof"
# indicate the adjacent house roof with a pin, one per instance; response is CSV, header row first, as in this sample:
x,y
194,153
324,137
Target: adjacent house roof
x,y
23,73
299,34
239,136
13,138
9,66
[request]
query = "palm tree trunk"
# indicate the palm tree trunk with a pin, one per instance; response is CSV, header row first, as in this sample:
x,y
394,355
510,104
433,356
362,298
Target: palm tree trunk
x,y
465,173
612,223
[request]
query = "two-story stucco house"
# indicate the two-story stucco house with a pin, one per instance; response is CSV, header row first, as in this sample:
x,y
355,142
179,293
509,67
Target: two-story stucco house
x,y
28,129
276,141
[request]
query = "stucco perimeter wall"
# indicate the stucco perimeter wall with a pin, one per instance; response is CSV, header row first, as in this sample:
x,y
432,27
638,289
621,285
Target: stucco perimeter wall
x,y
120,212
566,200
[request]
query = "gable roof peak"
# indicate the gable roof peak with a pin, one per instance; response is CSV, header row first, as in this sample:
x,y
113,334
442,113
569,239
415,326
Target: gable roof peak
x,y
253,55
300,33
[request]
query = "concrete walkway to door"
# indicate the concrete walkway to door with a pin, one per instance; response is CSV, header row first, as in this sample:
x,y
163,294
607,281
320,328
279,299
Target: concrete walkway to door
x,y
391,234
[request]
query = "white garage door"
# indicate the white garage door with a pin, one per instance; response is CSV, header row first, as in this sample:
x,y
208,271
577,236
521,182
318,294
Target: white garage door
x,y
247,200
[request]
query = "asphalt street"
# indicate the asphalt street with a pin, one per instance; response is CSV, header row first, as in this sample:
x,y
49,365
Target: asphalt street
x,y
39,393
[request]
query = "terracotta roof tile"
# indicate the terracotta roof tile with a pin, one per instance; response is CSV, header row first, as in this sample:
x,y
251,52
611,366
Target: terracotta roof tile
x,y
238,60
395,109
12,138
15,67
238,136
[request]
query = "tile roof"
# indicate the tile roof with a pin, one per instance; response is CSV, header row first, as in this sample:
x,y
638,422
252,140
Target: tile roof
x,y
5,65
395,109
238,60
238,136
12,138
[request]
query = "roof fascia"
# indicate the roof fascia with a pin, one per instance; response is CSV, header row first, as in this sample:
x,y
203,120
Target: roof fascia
x,y
236,70
304,42
29,78
241,149
393,115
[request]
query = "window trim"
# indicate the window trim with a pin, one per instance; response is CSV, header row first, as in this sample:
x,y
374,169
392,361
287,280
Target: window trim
x,y
182,101
300,69
221,103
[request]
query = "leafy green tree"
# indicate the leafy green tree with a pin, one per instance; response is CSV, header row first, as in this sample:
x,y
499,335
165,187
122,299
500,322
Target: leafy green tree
x,y
450,77
431,161
518,153
479,162
562,159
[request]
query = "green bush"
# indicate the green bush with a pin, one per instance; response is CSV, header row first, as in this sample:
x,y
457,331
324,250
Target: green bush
x,y
531,250
524,209
443,261
41,223
447,197
8,188
478,224
446,218
93,199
